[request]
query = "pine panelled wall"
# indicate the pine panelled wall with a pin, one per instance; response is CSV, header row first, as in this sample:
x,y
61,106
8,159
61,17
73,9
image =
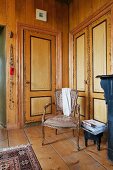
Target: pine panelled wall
x,y
81,9
15,12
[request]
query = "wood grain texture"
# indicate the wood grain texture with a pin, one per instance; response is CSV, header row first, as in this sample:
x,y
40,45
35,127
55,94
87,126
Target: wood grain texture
x,y
12,117
93,21
3,12
82,9
65,50
13,12
93,93
20,10
30,12
61,152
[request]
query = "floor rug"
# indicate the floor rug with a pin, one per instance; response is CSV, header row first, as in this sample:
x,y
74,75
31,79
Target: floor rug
x,y
19,158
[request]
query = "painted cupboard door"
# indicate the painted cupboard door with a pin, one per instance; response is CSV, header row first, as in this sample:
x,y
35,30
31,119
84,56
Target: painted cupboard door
x,y
81,65
39,73
100,65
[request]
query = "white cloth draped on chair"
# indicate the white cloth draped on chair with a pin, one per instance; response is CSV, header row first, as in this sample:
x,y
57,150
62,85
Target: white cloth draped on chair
x,y
66,100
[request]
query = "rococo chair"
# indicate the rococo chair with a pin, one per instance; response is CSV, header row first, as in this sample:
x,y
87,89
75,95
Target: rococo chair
x,y
67,113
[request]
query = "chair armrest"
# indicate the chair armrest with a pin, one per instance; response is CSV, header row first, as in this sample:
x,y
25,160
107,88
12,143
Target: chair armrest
x,y
45,107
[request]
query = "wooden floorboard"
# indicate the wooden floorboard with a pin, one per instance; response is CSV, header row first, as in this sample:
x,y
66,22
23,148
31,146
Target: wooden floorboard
x,y
60,151
17,137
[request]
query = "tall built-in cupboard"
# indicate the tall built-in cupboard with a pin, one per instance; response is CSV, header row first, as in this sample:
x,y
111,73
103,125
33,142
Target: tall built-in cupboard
x,y
90,55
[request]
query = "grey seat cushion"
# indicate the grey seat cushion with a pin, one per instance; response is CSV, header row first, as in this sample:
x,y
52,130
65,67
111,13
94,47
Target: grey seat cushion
x,y
61,121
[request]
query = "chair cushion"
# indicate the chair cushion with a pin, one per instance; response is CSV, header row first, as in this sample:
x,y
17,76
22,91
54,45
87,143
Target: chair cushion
x,y
61,121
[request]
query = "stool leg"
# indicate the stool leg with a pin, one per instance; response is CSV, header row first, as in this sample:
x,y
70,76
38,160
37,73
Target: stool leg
x,y
98,144
94,141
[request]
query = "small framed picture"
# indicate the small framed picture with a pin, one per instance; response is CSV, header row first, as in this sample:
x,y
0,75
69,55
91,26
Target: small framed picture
x,y
41,15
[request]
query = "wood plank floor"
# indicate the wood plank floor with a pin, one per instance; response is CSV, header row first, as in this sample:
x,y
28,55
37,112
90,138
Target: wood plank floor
x,y
61,152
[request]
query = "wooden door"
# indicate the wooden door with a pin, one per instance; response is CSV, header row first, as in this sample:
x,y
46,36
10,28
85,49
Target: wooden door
x,y
99,33
81,65
39,73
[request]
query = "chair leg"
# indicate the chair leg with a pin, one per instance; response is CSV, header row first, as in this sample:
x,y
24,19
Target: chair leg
x,y
78,133
43,135
73,132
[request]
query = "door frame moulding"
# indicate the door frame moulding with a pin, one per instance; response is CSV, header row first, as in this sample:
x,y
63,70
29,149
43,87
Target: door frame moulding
x,y
108,7
20,60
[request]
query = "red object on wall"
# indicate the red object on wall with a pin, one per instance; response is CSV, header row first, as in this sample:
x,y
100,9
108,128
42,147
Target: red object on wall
x,y
11,71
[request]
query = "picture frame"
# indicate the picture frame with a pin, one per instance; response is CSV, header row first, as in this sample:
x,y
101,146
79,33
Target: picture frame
x,y
41,15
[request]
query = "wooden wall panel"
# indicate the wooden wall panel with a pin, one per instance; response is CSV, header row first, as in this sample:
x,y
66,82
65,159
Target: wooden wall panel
x,y
73,15
20,10
84,12
2,11
96,4
38,4
30,12
59,16
82,9
65,50
47,5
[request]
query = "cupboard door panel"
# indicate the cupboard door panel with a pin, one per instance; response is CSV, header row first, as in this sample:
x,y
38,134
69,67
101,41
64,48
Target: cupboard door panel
x,y
82,102
100,110
99,53
80,62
